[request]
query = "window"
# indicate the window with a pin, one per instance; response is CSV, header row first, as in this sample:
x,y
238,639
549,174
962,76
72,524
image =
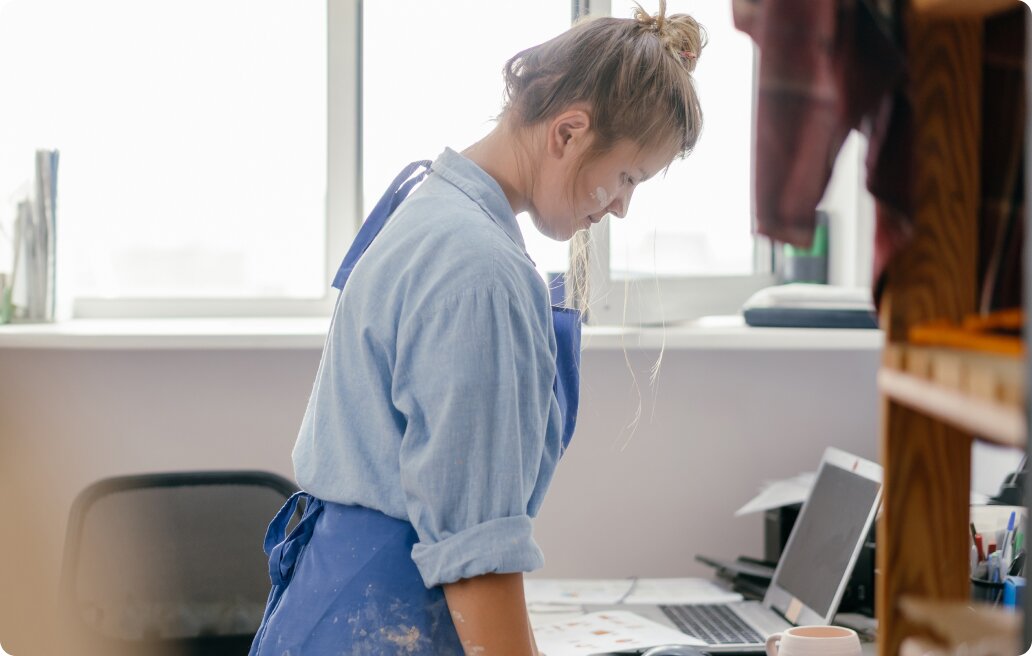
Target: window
x,y
217,158
193,146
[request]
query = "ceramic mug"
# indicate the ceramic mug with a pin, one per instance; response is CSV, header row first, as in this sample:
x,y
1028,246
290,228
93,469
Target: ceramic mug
x,y
814,641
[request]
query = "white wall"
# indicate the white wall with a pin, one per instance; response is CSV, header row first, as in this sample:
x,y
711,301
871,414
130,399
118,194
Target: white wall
x,y
718,423
723,422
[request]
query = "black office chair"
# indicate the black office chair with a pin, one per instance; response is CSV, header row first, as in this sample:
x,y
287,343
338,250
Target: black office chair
x,y
169,564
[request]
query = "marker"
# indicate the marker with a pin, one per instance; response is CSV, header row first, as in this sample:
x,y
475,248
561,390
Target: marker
x,y
978,545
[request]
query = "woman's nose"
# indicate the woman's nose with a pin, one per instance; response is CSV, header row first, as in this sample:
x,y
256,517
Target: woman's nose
x,y
618,207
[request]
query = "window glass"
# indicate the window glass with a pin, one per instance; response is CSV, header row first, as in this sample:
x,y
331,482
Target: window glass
x,y
192,137
697,219
432,77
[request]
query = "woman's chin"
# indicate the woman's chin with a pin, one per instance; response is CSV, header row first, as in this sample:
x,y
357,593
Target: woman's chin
x,y
561,232
566,234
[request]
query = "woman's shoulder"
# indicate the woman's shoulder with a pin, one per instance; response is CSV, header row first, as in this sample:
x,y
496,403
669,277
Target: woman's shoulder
x,y
450,246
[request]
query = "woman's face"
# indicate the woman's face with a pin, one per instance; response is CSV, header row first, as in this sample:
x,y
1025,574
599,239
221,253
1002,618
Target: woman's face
x,y
565,202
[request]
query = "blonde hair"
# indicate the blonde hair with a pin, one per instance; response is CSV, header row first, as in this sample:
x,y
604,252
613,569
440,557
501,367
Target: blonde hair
x,y
634,74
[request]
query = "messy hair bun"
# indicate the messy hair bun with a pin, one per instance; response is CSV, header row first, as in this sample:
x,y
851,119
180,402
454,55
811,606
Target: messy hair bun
x,y
680,34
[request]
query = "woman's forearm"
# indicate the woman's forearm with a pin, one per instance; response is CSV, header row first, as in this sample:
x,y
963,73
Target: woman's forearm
x,y
490,615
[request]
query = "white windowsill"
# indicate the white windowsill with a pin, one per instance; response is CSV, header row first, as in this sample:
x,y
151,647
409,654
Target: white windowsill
x,y
310,333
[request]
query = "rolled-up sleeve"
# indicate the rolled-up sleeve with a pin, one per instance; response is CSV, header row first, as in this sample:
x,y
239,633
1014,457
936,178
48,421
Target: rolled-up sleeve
x,y
473,380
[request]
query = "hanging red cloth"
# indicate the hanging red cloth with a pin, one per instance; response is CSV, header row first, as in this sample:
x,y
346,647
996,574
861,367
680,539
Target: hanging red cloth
x,y
826,68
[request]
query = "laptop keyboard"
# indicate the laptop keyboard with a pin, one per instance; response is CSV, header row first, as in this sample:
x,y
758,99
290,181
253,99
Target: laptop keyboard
x,y
714,624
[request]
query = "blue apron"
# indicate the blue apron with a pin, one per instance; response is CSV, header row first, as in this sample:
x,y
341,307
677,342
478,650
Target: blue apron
x,y
343,580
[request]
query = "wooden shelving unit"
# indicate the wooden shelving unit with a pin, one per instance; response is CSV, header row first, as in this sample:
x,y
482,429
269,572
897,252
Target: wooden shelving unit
x,y
935,401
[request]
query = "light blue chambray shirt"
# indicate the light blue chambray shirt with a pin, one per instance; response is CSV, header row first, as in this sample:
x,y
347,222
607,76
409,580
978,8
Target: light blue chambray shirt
x,y
433,402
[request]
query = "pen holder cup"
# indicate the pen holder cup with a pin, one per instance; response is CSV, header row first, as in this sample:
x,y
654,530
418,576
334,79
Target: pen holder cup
x,y
986,591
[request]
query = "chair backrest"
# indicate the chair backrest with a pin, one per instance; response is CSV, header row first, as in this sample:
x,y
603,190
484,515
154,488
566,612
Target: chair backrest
x,y
169,563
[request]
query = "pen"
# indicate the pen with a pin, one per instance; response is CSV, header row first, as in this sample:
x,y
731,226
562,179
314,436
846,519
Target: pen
x,y
978,545
1005,548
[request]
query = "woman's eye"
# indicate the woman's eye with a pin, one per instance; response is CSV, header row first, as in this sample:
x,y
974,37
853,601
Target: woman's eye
x,y
627,179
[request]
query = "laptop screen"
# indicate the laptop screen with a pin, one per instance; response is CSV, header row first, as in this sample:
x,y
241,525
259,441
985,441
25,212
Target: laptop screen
x,y
827,536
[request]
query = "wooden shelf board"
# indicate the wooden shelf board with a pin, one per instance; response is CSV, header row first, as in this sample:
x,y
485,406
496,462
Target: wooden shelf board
x,y
987,376
992,421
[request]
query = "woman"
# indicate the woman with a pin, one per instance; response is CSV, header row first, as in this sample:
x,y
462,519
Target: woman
x,y
447,389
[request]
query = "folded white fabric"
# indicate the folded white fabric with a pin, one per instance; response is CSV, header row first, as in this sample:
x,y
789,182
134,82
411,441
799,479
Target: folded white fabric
x,y
811,296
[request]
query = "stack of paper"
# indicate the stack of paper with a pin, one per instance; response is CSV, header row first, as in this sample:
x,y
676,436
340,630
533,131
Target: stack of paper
x,y
776,494
605,632
572,633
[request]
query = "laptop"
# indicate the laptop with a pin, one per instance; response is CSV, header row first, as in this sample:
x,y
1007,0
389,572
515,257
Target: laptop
x,y
811,574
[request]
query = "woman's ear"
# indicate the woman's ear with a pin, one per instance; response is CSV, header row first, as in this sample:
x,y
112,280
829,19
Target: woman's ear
x,y
568,133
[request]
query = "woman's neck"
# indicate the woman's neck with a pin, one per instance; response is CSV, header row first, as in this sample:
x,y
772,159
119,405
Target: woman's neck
x,y
502,155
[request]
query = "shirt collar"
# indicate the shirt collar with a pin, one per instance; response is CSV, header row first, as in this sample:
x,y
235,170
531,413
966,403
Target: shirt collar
x,y
484,190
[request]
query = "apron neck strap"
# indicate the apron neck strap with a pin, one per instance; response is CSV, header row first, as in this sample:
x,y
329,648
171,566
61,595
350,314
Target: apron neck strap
x,y
377,219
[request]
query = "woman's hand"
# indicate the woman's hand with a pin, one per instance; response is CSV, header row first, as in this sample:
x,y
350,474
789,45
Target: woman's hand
x,y
490,615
